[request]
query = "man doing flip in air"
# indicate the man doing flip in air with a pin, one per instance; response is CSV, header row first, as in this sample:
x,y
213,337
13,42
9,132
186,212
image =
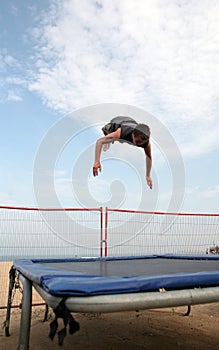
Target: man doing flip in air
x,y
125,129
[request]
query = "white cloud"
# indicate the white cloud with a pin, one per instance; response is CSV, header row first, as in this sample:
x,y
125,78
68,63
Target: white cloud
x,y
159,55
152,38
63,188
203,141
14,95
5,199
12,82
211,192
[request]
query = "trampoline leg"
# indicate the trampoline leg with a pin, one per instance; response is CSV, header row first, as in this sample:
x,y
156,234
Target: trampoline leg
x,y
25,315
45,318
10,289
188,311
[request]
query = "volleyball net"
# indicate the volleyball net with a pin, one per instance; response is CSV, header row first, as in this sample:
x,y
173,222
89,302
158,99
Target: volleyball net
x,y
39,233
130,232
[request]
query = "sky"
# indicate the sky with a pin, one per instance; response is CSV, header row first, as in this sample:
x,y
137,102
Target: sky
x,y
68,67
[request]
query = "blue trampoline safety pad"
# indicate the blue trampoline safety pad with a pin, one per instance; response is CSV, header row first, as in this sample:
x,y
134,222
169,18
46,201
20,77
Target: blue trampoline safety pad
x,y
100,276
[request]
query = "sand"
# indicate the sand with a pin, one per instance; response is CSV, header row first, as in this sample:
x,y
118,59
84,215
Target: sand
x,y
148,329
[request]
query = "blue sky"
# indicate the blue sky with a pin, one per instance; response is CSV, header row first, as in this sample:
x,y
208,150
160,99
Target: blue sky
x,y
82,63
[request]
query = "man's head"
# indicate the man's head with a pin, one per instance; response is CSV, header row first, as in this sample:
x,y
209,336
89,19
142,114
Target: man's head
x,y
141,134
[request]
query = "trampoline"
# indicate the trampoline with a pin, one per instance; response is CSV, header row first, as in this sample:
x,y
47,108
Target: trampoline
x,y
116,284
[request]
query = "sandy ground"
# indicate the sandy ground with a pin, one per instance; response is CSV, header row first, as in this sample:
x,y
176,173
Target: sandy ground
x,y
149,329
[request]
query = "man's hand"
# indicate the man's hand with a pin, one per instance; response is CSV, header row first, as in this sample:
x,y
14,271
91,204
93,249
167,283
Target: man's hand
x,y
149,181
96,166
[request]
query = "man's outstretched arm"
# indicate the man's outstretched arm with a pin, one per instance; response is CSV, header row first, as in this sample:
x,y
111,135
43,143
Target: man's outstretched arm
x,y
105,139
148,164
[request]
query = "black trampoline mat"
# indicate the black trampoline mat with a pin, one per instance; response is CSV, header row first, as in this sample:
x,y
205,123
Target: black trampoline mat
x,y
136,267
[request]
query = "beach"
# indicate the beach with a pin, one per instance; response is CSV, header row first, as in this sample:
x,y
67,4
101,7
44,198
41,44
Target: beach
x,y
148,329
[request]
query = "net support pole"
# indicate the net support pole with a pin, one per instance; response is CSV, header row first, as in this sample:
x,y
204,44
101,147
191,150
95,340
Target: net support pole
x,y
106,232
101,232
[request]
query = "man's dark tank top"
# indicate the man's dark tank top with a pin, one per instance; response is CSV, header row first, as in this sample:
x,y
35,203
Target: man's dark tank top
x,y
127,126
